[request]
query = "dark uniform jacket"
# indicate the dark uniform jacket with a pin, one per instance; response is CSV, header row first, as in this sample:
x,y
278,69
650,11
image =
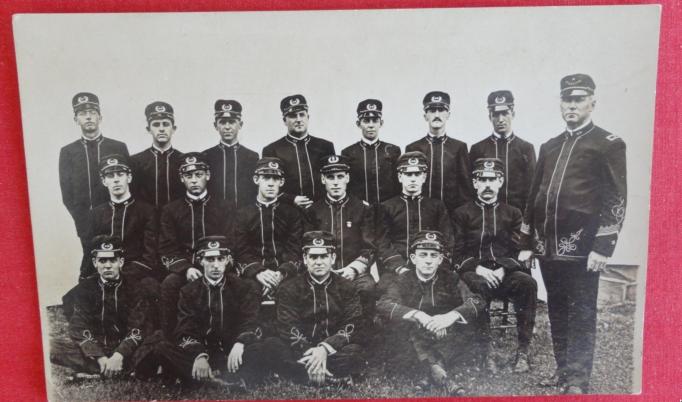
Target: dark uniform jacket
x,y
351,221
301,159
440,295
487,235
79,178
268,237
518,158
578,197
155,176
449,171
108,317
184,222
401,218
211,318
373,175
309,313
232,170
135,222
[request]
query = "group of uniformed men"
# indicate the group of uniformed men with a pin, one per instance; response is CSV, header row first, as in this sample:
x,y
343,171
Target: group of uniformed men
x,y
196,264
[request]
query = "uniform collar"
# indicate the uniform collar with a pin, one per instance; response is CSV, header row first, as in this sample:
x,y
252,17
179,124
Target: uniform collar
x,y
266,204
158,150
214,283
340,201
315,282
226,145
486,204
495,136
125,201
111,283
200,197
580,130
411,197
422,279
92,140
291,138
436,139
368,143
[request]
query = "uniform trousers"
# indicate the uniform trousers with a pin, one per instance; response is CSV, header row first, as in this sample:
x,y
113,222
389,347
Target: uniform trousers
x,y
367,291
168,302
517,286
572,307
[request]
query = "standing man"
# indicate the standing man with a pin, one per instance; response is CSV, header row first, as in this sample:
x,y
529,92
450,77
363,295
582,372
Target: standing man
x,y
517,155
156,181
575,210
300,153
404,215
183,222
352,223
79,167
318,321
485,257
268,232
372,161
232,163
448,175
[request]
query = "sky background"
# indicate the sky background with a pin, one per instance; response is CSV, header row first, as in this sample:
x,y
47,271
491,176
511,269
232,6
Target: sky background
x,y
335,59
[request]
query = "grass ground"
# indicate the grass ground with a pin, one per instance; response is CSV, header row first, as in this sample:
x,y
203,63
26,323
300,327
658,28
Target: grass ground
x,y
612,372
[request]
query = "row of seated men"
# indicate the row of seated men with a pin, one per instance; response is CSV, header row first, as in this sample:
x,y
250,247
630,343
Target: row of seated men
x,y
266,239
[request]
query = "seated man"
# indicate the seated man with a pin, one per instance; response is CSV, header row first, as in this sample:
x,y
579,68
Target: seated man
x,y
432,308
351,221
485,255
268,232
108,328
216,318
183,222
318,321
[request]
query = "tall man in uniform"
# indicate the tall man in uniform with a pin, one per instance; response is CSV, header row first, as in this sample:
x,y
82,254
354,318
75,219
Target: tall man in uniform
x,y
404,215
372,161
432,309
352,223
300,153
183,222
268,232
318,320
108,328
155,168
517,155
448,175
575,210
485,256
217,318
232,164
79,180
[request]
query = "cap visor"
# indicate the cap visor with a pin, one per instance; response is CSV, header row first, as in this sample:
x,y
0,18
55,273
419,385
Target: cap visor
x,y
576,92
417,168
212,253
318,250
105,254
500,108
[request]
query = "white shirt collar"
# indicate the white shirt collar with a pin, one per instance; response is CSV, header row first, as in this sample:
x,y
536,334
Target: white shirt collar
x,y
498,136
368,142
423,279
162,150
229,145
319,282
197,197
296,138
122,200
91,139
212,282
266,203
436,136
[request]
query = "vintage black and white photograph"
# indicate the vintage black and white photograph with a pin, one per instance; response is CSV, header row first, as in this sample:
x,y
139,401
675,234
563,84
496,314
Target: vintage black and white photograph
x,y
340,204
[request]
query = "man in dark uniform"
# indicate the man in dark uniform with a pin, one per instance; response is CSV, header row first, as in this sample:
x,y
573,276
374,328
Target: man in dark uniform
x,y
352,223
372,161
268,232
79,167
300,153
217,318
432,309
448,179
231,163
183,222
485,256
517,155
405,215
108,329
318,320
155,168
575,210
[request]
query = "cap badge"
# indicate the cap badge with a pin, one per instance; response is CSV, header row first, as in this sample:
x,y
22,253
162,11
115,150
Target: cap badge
x,y
227,107
371,106
273,165
82,99
107,246
572,80
333,159
436,98
213,244
318,242
294,101
112,161
191,159
413,161
488,164
160,108
431,236
500,99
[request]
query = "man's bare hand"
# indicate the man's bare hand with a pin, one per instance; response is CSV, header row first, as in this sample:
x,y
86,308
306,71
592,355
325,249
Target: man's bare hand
x,y
487,274
201,370
193,274
441,322
315,361
499,274
347,272
114,365
102,361
596,262
234,359
525,255
422,318
269,278
303,201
